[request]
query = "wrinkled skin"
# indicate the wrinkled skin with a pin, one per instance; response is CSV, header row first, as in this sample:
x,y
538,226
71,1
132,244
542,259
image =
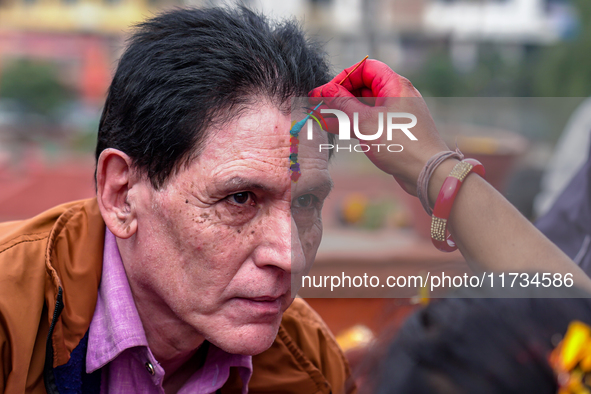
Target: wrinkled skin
x,y
214,249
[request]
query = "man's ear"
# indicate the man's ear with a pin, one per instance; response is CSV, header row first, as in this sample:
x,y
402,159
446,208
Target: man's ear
x,y
115,177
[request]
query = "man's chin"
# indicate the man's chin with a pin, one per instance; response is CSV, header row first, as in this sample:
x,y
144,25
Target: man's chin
x,y
250,340
249,328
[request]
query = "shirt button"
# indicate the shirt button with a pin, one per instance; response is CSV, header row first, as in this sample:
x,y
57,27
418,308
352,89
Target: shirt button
x,y
150,368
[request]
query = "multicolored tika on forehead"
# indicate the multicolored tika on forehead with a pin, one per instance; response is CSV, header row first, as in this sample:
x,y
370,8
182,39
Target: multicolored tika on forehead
x,y
296,127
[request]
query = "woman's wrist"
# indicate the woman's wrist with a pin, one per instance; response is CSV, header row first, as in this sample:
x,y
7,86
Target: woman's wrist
x,y
438,178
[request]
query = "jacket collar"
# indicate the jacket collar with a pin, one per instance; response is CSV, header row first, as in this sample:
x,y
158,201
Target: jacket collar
x,y
73,261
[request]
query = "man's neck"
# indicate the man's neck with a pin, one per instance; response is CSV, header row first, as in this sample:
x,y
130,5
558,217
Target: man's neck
x,y
178,371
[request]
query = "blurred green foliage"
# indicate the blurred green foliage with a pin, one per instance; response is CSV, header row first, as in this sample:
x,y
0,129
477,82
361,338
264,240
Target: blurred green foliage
x,y
565,69
34,84
559,70
492,76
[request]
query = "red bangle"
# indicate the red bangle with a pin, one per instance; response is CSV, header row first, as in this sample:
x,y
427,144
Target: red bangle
x,y
441,238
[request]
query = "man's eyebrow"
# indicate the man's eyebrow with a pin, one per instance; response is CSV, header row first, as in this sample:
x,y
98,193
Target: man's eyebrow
x,y
239,183
324,187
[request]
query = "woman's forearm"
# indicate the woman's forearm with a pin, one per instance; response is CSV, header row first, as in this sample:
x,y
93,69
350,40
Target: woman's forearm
x,y
494,236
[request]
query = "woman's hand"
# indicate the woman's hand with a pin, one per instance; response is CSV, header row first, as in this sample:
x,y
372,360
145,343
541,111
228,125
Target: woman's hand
x,y
382,91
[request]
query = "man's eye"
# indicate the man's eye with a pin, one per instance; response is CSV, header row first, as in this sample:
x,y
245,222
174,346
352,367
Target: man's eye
x,y
305,201
242,198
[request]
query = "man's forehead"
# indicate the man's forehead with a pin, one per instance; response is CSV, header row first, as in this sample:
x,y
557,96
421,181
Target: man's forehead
x,y
252,150
258,119
309,145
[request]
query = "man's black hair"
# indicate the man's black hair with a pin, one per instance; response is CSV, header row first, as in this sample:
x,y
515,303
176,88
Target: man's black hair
x,y
188,69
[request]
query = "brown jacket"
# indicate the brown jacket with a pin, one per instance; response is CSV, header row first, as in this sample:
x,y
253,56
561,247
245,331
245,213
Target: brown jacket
x,y
50,270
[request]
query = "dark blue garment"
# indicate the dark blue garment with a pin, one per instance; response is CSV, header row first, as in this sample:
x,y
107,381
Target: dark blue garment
x,y
568,222
71,378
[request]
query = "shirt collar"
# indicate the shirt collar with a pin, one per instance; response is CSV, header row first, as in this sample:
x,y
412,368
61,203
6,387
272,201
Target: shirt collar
x,y
116,324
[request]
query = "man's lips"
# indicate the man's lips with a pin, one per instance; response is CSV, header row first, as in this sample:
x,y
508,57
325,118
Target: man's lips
x,y
263,298
264,305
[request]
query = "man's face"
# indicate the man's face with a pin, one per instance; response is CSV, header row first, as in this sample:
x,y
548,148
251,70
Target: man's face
x,y
218,243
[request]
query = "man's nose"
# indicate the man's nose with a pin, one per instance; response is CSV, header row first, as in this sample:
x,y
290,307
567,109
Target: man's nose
x,y
275,244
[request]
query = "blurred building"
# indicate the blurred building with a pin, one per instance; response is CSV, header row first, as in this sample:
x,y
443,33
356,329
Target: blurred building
x,y
82,36
399,32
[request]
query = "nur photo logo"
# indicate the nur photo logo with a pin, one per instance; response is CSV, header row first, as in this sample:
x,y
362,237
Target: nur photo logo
x,y
392,120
